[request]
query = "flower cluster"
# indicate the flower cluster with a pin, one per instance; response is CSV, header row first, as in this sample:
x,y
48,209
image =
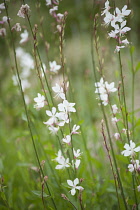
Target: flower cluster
x,y
118,23
104,89
131,150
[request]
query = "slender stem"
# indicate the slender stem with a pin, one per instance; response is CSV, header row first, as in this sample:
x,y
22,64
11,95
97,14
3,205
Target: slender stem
x,y
26,111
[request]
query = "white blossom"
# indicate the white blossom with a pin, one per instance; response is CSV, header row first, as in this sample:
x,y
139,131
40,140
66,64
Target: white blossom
x,y
130,149
77,153
73,185
40,101
115,120
114,109
106,9
52,129
67,139
16,27
117,136
24,36
2,6
63,163
134,166
75,129
24,10
52,10
66,107
48,2
3,32
54,67
59,91
138,188
53,117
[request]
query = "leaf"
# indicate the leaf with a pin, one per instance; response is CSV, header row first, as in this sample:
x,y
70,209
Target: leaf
x,y
137,67
39,193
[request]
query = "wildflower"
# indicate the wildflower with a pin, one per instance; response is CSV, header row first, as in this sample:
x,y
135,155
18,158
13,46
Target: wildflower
x,y
76,153
115,120
52,10
59,156
40,101
123,13
3,32
77,163
118,48
66,107
73,185
63,118
54,67
130,149
106,9
63,163
114,109
134,166
60,16
67,139
2,6
59,90
53,130
108,18
75,129
117,136
24,10
125,41
48,2
16,27
5,19
53,117
24,36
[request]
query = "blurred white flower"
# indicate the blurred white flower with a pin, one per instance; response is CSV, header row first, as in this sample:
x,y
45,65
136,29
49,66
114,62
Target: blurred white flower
x,y
53,130
59,90
76,153
40,101
138,188
66,107
48,2
24,36
130,149
114,109
106,9
134,166
3,32
54,67
118,48
24,10
52,10
67,139
16,27
73,185
2,6
117,136
115,120
75,129
63,163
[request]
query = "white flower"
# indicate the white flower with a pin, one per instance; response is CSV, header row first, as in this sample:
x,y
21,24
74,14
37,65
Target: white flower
x,y
2,6
66,107
118,48
54,67
52,10
53,129
24,10
5,19
138,188
124,12
110,87
16,27
53,117
125,41
59,156
134,166
63,118
130,149
107,8
40,101
25,84
67,139
59,90
48,2
24,36
73,185
60,16
76,153
77,163
108,18
115,120
117,136
75,129
114,109
3,32
63,163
